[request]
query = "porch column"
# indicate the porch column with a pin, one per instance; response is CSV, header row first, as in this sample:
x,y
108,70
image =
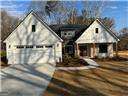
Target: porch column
x,y
110,50
77,49
94,48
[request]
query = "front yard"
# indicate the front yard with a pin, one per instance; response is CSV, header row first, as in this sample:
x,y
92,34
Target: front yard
x,y
110,79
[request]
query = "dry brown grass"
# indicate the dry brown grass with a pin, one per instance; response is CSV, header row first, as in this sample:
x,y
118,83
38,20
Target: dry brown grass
x,y
110,79
123,54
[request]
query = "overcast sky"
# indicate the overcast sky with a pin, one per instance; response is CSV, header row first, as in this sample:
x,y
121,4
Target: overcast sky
x,y
114,9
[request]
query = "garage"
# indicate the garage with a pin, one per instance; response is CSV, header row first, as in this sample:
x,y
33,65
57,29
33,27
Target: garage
x,y
32,42
29,54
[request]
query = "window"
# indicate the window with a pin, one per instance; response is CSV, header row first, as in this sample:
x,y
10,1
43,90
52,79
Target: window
x,y
19,46
33,28
39,46
48,46
96,30
103,48
69,33
29,46
65,33
57,45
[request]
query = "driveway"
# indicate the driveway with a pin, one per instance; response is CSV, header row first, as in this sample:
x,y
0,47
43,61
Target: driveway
x,y
26,80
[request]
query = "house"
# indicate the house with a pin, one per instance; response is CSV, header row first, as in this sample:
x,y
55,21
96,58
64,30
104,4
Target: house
x,y
33,41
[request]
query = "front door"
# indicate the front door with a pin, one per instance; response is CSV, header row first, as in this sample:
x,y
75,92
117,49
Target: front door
x,y
83,50
69,49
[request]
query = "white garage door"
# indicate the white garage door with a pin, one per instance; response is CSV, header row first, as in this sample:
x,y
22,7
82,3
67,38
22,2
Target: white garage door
x,y
35,54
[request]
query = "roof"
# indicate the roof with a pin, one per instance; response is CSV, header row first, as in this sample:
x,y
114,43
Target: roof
x,y
79,29
56,29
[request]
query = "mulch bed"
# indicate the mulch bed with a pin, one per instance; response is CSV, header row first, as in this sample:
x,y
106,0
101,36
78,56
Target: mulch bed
x,y
72,62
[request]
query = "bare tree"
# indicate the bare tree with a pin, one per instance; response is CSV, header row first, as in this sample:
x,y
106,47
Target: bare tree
x,y
123,44
108,22
44,9
56,12
124,32
72,17
8,23
92,9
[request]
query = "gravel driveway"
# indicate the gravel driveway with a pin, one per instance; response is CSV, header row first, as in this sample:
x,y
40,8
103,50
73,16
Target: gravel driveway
x,y
26,80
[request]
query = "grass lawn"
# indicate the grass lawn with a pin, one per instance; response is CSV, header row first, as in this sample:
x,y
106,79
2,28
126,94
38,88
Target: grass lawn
x,y
110,79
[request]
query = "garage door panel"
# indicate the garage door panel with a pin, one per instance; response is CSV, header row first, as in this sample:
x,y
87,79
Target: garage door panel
x,y
42,56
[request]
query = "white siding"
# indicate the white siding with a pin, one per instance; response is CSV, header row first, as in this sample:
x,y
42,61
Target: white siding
x,y
23,34
90,36
110,50
58,51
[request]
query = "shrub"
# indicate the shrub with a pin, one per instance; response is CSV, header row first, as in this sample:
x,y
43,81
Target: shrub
x,y
66,59
4,61
2,53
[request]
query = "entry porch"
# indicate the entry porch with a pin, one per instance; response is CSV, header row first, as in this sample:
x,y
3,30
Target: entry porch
x,y
92,50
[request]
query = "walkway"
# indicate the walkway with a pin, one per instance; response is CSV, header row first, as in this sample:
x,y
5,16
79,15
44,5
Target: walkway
x,y
91,62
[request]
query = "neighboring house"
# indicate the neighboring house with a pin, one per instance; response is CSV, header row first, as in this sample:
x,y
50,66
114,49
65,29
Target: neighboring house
x,y
33,41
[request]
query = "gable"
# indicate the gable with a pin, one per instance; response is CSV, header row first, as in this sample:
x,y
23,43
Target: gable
x,y
104,35
23,33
